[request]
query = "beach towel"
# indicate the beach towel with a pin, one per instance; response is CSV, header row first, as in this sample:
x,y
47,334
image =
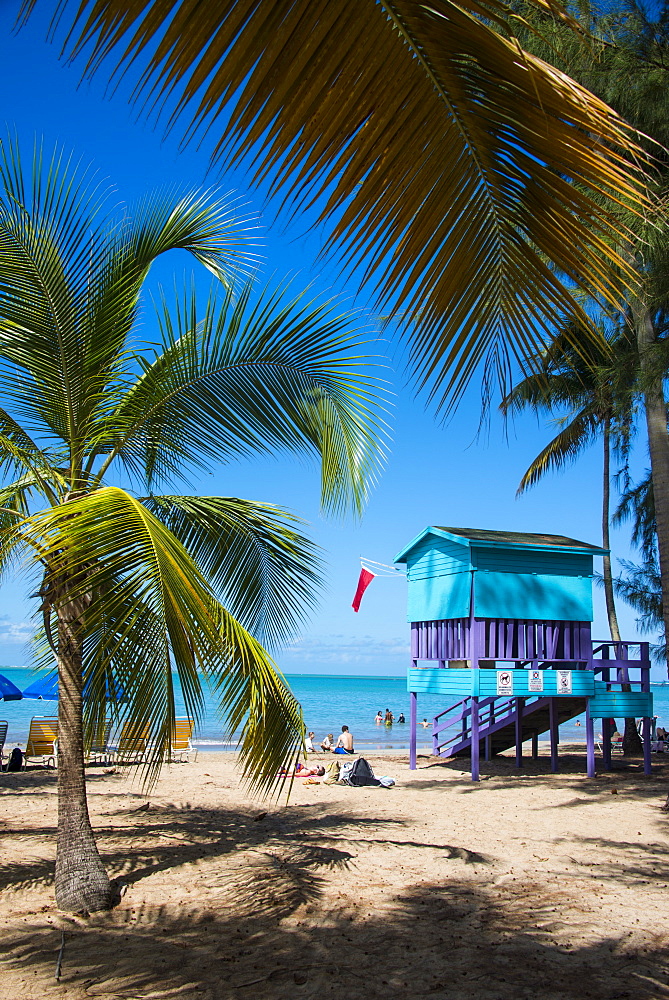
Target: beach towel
x,y
386,781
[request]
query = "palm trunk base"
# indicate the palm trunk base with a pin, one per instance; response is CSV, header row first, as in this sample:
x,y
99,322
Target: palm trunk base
x,y
82,884
632,743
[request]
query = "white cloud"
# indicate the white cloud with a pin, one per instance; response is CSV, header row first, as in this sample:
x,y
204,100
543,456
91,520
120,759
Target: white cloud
x,y
16,631
347,649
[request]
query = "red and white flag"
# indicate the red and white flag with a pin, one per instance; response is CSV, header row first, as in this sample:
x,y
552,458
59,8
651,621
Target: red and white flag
x,y
364,580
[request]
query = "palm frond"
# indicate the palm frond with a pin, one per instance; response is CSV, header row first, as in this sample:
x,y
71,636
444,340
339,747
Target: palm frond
x,y
565,447
637,503
642,589
256,372
208,225
264,571
71,276
145,603
467,174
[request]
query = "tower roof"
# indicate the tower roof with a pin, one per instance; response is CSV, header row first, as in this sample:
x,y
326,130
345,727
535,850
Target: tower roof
x,y
489,538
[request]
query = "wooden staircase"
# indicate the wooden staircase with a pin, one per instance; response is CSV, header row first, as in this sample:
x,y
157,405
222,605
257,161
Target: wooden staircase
x,y
497,722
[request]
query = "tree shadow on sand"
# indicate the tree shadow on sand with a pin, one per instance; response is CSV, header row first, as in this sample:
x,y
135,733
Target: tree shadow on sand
x,y
267,934
273,910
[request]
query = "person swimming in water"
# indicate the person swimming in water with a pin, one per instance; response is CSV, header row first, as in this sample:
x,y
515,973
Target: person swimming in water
x,y
378,719
389,717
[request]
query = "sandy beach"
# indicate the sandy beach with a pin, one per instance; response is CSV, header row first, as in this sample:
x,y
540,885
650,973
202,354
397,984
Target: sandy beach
x,y
527,885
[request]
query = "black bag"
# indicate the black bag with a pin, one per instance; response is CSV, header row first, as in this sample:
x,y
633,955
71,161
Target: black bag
x,y
15,762
362,774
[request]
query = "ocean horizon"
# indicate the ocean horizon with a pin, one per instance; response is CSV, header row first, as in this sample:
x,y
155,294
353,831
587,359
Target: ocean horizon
x,y
329,701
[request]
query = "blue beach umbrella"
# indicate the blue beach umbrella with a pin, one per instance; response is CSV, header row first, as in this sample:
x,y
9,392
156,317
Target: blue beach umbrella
x,y
43,689
46,689
8,690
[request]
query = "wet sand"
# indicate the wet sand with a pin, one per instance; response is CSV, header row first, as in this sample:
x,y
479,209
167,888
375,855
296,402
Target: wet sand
x,y
527,885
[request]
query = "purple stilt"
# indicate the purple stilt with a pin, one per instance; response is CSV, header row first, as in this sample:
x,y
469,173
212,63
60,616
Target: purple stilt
x,y
646,722
590,740
555,732
519,731
475,744
535,746
412,731
645,730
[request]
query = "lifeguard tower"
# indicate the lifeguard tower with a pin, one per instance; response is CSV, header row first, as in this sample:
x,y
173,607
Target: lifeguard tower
x,y
501,627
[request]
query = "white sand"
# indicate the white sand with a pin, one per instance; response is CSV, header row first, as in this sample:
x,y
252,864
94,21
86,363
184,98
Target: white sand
x,y
524,886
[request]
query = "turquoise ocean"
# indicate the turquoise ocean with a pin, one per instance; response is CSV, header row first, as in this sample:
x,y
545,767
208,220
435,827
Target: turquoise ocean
x,y
328,702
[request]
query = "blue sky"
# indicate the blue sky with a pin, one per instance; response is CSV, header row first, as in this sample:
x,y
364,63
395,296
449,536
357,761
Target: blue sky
x,y
435,474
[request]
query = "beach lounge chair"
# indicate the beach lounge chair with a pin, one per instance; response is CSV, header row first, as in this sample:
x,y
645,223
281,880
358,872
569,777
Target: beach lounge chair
x,y
42,742
182,746
616,746
132,745
100,750
3,737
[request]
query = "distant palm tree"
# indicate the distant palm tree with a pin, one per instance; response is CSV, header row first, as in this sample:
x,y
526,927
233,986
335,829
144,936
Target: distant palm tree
x,y
597,396
134,587
590,389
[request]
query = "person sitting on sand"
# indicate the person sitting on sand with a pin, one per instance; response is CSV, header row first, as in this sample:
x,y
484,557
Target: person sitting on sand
x,y
661,733
309,743
379,718
425,723
327,743
345,742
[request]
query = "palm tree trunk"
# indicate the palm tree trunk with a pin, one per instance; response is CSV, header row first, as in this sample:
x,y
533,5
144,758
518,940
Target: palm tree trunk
x,y
82,884
632,745
606,568
658,447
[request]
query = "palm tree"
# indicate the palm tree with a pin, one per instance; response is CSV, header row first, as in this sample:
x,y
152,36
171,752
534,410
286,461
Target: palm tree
x,y
455,167
134,586
597,398
622,55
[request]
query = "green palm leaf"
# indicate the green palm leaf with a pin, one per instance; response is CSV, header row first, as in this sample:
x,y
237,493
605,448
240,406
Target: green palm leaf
x,y
265,572
580,431
466,174
252,373
147,604
71,275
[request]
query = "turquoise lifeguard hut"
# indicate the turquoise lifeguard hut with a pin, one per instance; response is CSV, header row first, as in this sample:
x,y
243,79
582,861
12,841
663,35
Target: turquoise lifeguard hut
x,y
501,627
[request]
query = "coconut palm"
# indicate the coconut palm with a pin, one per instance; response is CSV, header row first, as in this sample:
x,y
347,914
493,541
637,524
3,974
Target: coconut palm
x,y
597,398
622,55
454,167
99,431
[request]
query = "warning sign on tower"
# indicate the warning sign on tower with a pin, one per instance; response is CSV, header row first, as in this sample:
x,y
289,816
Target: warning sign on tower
x,y
535,682
564,682
505,682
